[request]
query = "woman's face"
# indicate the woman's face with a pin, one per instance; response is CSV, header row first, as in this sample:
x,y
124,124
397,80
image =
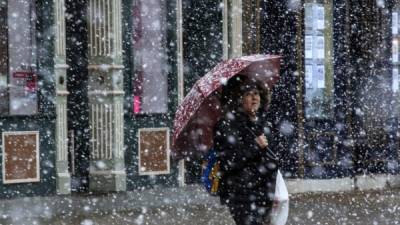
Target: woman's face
x,y
251,102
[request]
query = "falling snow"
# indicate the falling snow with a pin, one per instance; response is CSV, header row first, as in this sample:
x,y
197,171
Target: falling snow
x,y
107,108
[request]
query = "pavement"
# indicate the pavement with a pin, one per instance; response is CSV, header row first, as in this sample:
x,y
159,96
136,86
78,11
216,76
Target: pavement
x,y
191,205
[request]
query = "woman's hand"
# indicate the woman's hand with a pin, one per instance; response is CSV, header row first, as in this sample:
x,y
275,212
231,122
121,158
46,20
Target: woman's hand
x,y
262,141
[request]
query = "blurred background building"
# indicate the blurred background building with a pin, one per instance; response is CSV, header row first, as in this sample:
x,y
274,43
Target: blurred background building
x,y
89,88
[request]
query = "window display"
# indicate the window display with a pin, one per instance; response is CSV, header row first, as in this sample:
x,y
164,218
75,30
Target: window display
x,y
395,50
3,58
18,78
395,84
318,79
150,57
23,94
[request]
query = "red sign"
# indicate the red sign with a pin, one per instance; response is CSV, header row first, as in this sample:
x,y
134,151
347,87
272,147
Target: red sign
x,y
29,78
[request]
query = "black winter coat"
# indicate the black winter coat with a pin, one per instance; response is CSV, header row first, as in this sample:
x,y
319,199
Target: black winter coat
x,y
247,172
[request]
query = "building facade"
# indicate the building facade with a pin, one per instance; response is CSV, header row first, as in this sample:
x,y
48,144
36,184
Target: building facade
x,y
89,88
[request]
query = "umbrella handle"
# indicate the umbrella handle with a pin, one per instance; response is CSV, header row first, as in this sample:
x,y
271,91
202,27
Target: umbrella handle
x,y
270,154
251,131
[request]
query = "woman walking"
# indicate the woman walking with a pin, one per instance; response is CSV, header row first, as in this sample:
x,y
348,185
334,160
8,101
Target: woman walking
x,y
248,167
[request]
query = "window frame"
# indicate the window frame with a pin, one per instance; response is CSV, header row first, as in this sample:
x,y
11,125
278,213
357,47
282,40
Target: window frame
x,y
28,73
164,72
324,108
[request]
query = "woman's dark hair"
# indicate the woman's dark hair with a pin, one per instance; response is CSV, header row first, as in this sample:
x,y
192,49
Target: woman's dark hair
x,y
237,86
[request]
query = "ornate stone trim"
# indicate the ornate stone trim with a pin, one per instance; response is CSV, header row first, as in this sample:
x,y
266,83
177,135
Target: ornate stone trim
x,y
105,28
107,131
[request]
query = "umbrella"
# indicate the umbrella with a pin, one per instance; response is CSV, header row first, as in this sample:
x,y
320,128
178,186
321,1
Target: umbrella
x,y
201,108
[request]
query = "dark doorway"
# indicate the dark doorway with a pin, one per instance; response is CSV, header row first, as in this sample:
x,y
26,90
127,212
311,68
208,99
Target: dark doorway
x,y
77,104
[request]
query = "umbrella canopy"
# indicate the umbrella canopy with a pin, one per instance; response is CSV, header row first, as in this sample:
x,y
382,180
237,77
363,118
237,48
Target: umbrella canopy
x,y
201,108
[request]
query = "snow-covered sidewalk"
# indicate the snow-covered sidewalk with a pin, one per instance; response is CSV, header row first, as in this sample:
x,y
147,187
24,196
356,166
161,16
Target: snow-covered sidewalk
x,y
190,205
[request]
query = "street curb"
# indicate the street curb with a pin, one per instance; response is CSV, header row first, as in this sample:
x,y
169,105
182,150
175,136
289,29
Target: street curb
x,y
315,185
361,182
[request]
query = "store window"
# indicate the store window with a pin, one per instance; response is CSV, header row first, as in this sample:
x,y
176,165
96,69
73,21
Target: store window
x,y
318,60
18,78
150,83
395,56
395,49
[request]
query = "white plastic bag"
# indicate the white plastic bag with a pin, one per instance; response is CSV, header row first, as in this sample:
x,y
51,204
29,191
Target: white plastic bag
x,y
280,209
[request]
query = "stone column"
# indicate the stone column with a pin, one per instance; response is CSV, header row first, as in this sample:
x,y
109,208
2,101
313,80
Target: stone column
x,y
251,31
233,34
60,68
107,167
181,95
